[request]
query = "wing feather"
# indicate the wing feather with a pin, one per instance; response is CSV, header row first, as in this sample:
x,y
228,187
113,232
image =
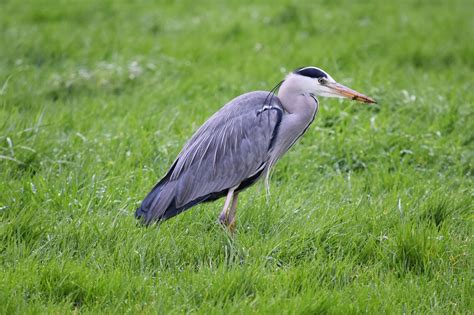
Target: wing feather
x,y
229,148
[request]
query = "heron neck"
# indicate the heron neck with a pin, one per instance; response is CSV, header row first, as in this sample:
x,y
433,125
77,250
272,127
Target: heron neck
x,y
301,104
300,110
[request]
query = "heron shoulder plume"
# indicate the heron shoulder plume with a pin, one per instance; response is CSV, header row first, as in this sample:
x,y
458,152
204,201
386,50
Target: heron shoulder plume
x,y
240,144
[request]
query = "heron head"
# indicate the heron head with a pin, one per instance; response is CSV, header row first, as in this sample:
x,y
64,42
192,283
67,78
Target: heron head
x,y
316,81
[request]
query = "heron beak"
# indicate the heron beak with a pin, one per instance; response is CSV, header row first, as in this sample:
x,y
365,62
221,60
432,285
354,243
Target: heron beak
x,y
346,92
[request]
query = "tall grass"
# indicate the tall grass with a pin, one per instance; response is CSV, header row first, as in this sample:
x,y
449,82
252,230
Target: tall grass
x,y
370,212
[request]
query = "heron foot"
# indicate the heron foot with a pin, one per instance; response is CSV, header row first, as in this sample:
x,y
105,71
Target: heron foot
x,y
227,222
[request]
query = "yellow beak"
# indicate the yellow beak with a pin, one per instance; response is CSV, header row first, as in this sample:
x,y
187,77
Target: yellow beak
x,y
344,91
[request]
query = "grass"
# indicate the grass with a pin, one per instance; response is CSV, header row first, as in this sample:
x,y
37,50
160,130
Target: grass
x,y
370,212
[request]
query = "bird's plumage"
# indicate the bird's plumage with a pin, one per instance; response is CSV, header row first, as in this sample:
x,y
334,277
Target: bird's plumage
x,y
240,143
231,149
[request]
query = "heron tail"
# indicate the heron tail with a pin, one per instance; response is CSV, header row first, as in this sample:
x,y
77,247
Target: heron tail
x,y
158,204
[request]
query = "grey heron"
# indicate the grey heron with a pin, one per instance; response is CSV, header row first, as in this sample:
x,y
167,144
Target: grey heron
x,y
240,144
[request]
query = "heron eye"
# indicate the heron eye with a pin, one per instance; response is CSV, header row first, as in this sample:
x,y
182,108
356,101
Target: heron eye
x,y
321,80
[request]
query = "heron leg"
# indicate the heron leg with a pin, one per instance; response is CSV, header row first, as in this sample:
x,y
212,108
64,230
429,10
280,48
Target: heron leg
x,y
232,212
224,213
227,215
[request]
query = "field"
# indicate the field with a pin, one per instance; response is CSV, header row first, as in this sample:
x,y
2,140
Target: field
x,y
372,211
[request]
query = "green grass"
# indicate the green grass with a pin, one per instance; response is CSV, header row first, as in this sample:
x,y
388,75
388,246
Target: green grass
x,y
370,212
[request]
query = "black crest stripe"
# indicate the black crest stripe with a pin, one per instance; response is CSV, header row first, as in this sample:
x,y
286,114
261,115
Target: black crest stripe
x,y
311,72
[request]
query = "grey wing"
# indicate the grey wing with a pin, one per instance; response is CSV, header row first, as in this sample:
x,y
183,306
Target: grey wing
x,y
232,146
